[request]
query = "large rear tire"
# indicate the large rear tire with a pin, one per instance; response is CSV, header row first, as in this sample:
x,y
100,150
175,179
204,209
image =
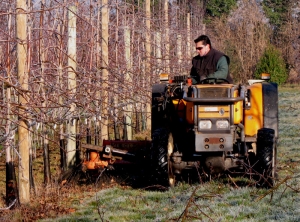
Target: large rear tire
x,y
162,149
266,157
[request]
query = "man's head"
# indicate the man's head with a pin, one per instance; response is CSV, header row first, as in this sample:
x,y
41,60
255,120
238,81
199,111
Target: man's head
x,y
203,45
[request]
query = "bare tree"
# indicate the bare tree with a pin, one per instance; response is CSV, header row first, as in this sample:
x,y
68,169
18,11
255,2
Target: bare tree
x,y
288,41
11,191
42,60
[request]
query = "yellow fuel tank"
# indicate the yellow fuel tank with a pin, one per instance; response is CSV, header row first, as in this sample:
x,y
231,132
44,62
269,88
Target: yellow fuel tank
x,y
253,115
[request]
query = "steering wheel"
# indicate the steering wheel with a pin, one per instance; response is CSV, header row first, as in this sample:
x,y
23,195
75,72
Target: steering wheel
x,y
213,81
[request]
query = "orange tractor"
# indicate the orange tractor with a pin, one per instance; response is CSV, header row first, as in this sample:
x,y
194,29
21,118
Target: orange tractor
x,y
212,127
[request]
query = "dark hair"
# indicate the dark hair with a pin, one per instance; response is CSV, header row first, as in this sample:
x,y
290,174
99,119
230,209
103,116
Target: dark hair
x,y
204,39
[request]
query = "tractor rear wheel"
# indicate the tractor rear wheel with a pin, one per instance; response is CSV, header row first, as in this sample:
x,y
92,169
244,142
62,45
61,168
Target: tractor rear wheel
x,y
162,148
266,157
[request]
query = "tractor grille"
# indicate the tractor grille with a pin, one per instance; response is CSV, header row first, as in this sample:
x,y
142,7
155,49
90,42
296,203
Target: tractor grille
x,y
216,92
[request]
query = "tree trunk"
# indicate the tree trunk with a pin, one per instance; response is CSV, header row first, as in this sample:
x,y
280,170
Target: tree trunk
x,y
60,30
116,84
78,151
63,156
31,178
125,137
11,183
47,174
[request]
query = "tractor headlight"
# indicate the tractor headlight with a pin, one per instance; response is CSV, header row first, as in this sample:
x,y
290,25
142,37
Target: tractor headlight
x,y
204,124
222,124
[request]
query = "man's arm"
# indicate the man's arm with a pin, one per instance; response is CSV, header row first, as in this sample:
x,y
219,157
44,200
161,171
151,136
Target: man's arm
x,y
222,69
194,76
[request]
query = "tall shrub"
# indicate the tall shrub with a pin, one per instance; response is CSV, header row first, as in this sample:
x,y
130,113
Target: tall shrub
x,y
273,63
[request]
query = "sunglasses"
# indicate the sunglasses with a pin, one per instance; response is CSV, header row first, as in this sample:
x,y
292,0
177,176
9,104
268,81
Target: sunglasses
x,y
199,48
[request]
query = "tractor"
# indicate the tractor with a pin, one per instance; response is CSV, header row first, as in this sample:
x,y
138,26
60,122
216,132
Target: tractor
x,y
212,127
216,127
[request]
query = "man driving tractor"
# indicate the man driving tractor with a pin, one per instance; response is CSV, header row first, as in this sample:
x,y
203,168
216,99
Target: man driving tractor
x,y
209,63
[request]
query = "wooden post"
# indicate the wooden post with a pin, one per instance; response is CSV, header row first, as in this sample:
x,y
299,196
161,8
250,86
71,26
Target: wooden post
x,y
188,42
179,53
166,37
148,65
158,53
71,125
23,134
128,82
104,50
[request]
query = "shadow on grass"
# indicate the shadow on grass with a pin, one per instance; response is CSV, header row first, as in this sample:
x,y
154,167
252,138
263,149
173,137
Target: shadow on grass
x,y
137,177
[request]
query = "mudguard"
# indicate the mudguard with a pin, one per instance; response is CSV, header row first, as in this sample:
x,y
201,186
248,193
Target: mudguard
x,y
262,108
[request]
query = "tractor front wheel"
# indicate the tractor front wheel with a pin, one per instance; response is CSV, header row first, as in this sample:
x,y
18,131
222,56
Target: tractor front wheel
x,y
162,148
266,157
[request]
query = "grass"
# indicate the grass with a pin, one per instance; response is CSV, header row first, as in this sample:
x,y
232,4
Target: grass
x,y
225,199
212,201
